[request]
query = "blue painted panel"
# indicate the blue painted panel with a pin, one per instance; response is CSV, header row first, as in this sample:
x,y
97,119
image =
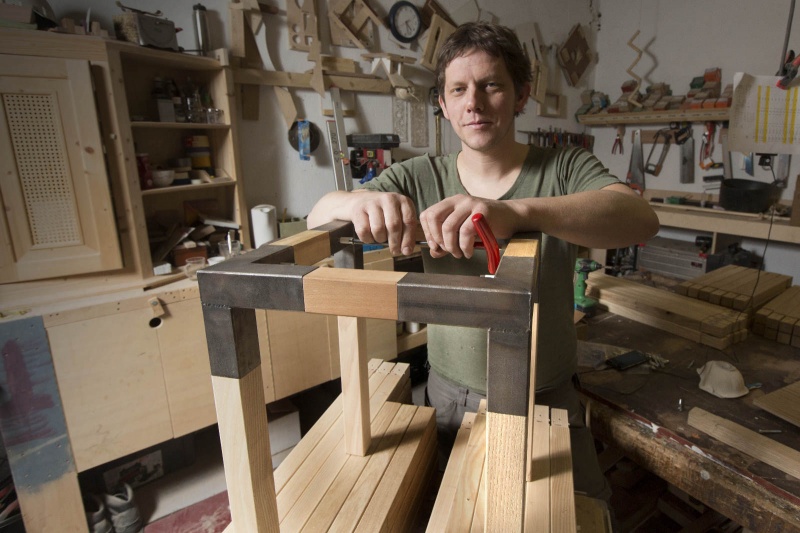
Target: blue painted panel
x,y
32,420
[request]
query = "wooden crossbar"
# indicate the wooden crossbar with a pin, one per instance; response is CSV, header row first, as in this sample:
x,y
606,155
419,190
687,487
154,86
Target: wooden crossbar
x,y
284,276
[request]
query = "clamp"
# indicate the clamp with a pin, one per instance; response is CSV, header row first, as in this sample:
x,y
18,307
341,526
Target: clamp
x,y
707,147
649,167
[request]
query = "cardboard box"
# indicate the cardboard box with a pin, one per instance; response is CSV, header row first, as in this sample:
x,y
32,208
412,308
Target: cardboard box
x,y
284,426
180,255
292,227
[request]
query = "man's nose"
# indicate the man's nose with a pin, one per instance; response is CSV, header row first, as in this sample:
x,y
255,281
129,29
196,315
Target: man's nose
x,y
474,99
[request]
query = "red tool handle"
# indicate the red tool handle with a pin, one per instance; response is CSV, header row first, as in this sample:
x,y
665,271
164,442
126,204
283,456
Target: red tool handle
x,y
488,241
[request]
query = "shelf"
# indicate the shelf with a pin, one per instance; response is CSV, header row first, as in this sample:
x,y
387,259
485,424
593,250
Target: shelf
x,y
165,57
727,223
408,341
183,188
142,124
656,117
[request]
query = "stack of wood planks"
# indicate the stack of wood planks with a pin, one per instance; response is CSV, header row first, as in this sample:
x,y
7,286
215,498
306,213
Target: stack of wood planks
x,y
779,319
783,403
686,317
734,286
549,495
320,487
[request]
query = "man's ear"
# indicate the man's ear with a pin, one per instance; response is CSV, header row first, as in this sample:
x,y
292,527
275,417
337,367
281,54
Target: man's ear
x,y
522,98
443,107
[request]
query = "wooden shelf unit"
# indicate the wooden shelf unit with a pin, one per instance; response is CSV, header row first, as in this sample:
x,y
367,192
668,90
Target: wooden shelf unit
x,y
122,78
724,225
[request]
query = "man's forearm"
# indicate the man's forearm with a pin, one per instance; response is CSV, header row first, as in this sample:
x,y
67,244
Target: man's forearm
x,y
593,219
332,206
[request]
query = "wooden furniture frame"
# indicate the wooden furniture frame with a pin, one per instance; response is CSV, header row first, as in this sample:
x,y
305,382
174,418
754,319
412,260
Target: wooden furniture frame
x,y
279,276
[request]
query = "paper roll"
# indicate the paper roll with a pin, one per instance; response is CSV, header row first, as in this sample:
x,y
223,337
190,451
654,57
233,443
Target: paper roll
x,y
265,224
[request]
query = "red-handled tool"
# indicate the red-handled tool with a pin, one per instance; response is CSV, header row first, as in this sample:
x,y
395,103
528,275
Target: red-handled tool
x,y
488,242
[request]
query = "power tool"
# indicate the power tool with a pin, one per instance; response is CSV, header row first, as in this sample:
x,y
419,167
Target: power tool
x,y
584,303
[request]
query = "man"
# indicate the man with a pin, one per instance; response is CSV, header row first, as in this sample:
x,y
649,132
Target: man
x,y
483,77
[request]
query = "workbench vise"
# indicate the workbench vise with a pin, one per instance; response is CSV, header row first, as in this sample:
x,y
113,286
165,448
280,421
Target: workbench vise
x,y
583,267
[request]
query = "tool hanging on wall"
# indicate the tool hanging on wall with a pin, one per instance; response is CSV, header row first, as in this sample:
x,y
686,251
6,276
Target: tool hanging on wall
x,y
655,168
618,147
707,148
635,178
687,160
343,177
433,98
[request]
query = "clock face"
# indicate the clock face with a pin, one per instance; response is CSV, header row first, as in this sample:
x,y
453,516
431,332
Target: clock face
x,y
405,21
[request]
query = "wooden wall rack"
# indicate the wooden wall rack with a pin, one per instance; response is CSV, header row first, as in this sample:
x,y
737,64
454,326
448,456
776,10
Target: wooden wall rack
x,y
656,117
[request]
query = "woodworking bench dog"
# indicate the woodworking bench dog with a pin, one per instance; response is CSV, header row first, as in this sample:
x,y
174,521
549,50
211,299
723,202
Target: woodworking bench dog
x,y
281,276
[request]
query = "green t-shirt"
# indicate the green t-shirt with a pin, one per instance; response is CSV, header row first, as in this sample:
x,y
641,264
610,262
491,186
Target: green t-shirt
x,y
459,354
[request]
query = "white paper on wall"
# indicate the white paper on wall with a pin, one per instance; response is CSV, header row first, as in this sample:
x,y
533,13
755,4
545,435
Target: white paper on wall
x,y
763,117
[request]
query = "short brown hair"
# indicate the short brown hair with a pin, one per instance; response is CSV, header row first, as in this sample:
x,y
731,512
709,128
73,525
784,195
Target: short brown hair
x,y
495,40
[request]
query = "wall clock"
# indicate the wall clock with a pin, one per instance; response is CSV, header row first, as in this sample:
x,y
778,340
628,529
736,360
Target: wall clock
x,y
405,22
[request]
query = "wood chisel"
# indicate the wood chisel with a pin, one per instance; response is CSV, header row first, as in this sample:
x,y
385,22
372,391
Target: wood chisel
x,y
687,161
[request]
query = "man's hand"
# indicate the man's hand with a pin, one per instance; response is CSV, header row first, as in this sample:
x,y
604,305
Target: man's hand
x,y
384,217
448,224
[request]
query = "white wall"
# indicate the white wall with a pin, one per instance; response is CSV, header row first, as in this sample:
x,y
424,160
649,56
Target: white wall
x,y
681,38
273,172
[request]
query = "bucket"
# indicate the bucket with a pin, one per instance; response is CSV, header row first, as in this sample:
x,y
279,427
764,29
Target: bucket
x,y
747,196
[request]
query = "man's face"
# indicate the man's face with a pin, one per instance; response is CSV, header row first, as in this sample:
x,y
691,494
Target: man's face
x,y
479,100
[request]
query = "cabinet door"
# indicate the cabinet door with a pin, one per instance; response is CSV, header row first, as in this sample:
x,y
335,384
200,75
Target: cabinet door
x,y
187,371
58,215
112,385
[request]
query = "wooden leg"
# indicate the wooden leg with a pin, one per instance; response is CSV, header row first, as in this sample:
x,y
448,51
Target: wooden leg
x,y
238,383
505,471
529,466
562,495
355,386
507,429
537,497
245,451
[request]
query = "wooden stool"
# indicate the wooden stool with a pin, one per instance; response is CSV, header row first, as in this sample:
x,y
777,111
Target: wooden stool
x,y
281,276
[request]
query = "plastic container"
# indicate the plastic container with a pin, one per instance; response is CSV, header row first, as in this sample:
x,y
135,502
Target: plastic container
x,y
747,196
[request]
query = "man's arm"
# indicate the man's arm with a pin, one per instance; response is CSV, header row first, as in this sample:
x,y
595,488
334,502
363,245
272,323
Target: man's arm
x,y
376,216
612,217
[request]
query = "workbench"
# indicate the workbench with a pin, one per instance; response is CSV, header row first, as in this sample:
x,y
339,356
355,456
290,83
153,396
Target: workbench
x,y
637,411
